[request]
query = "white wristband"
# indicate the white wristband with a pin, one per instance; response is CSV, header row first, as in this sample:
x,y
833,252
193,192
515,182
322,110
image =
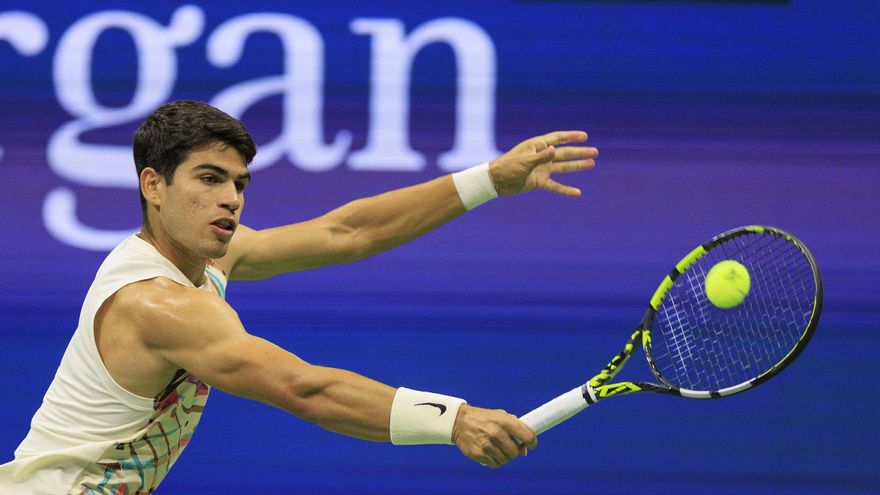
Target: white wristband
x,y
422,417
474,186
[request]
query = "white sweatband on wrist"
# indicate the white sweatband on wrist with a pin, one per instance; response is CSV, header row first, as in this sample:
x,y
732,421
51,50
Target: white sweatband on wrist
x,y
419,418
474,186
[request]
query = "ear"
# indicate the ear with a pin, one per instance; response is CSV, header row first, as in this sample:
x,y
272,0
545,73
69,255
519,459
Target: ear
x,y
152,185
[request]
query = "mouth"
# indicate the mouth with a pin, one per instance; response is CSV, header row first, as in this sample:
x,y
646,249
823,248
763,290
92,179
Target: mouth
x,y
224,226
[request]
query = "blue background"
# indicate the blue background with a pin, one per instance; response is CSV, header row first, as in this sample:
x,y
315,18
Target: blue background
x,y
708,115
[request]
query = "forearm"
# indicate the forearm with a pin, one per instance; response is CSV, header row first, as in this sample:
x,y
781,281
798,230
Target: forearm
x,y
337,400
255,368
379,223
350,404
343,402
353,405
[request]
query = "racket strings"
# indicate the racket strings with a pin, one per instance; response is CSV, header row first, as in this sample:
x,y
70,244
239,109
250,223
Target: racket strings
x,y
761,343
698,346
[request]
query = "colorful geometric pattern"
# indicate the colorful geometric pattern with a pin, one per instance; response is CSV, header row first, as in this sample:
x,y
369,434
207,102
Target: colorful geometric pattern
x,y
137,467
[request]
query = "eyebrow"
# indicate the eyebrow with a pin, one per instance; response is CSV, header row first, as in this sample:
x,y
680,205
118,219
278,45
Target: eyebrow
x,y
222,171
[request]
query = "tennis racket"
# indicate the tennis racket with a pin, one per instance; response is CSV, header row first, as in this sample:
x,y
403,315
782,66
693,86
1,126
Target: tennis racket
x,y
700,351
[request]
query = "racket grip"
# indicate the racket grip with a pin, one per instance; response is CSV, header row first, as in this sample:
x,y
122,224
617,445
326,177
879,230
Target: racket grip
x,y
555,411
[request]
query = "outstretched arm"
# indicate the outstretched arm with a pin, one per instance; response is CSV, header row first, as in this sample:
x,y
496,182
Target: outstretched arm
x,y
216,348
371,225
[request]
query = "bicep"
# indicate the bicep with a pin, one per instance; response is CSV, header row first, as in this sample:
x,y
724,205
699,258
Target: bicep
x,y
254,368
257,254
203,335
199,332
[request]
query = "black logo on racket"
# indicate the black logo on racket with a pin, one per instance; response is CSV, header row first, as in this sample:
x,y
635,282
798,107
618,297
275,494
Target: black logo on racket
x,y
434,404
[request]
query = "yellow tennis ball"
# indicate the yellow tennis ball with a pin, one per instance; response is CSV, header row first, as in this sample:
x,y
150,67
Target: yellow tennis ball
x,y
727,284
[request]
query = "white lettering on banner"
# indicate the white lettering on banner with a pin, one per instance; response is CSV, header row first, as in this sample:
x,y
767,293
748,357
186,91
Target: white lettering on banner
x,y
301,86
392,56
59,217
26,33
102,164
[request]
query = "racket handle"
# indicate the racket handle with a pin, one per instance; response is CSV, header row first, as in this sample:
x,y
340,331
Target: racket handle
x,y
555,411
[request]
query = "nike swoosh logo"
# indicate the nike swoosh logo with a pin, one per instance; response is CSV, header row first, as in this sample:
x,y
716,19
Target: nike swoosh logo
x,y
438,406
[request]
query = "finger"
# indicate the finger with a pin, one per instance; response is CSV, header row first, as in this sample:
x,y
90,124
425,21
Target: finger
x,y
555,187
541,157
571,166
575,152
523,434
494,457
483,457
507,446
560,137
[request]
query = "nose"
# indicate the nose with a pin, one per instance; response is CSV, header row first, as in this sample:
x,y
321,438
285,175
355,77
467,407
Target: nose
x,y
231,198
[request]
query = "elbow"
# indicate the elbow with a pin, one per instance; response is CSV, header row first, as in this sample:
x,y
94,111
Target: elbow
x,y
301,394
356,246
345,243
354,238
363,243
358,251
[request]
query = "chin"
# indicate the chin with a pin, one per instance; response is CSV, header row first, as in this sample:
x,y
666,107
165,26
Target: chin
x,y
219,253
216,250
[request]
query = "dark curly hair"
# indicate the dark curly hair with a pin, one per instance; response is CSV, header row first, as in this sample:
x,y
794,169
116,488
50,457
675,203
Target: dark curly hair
x,y
174,130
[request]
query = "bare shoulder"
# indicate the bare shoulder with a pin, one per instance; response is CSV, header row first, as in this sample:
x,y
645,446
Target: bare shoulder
x,y
181,327
164,312
136,326
157,296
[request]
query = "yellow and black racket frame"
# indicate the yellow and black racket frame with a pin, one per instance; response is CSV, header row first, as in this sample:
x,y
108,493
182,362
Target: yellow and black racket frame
x,y
598,388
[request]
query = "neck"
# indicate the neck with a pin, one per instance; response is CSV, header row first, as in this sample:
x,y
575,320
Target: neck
x,y
192,266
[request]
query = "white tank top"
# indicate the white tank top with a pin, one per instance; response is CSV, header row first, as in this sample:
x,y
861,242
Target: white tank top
x,y
90,435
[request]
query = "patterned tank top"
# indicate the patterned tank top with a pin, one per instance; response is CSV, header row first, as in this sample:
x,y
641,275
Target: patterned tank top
x,y
138,466
91,435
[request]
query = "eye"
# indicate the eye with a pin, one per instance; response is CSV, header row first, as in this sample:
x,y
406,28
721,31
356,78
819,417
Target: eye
x,y
209,179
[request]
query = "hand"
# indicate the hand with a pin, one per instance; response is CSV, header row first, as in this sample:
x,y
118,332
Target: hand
x,y
530,164
491,437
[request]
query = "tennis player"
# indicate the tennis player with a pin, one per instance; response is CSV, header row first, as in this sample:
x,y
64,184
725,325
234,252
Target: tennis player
x,y
155,333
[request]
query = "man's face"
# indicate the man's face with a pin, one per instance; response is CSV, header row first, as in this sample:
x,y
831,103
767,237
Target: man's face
x,y
201,207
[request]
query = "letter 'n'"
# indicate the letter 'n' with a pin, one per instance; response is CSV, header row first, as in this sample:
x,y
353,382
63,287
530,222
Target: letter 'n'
x,y
392,54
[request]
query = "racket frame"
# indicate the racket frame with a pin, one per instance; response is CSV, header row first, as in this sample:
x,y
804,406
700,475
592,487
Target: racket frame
x,y
598,388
